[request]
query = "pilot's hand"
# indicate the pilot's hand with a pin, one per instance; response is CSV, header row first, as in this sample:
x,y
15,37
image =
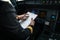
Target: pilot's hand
x,y
22,17
32,22
30,26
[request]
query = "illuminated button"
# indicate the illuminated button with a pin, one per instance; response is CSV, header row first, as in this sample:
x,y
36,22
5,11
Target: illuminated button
x,y
53,17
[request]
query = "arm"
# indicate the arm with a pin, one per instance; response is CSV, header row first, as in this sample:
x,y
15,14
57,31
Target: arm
x,y
10,25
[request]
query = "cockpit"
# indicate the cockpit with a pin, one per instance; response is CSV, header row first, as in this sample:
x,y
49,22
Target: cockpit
x,y
47,26
47,23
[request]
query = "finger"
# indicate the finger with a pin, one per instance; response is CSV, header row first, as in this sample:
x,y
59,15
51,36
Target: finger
x,y
21,15
27,15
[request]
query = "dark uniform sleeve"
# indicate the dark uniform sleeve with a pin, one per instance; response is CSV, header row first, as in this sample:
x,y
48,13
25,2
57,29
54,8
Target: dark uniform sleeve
x,y
10,27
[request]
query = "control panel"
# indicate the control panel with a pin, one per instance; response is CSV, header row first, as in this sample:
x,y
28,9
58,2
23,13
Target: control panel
x,y
48,20
43,2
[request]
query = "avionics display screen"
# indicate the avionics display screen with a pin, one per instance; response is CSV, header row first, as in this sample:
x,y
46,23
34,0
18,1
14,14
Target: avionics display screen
x,y
42,14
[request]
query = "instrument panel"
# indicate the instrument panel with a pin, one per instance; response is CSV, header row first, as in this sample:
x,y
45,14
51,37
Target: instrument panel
x,y
43,2
48,20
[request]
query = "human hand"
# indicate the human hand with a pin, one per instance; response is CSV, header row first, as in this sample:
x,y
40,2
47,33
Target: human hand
x,y
32,22
22,17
